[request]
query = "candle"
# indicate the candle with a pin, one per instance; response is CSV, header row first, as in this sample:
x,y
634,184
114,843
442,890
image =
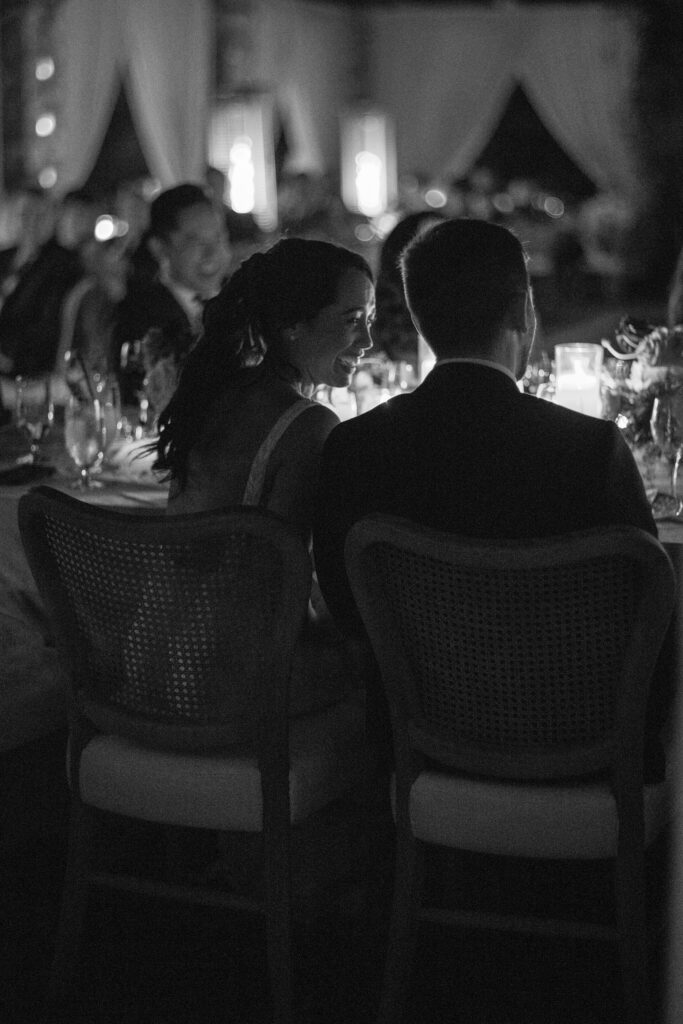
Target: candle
x,y
577,378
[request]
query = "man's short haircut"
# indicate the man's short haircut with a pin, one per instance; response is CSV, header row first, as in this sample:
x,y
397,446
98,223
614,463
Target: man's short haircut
x,y
460,277
168,205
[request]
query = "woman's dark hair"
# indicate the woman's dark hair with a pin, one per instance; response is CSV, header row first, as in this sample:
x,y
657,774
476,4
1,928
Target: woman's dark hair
x,y
286,285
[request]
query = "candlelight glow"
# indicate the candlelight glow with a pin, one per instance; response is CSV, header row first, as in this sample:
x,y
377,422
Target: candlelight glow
x,y
242,176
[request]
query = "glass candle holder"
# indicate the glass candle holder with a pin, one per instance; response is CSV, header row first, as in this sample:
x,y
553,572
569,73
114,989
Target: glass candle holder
x,y
577,378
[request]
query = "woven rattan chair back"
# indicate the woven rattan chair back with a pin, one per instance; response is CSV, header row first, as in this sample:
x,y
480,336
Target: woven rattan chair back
x,y
512,661
169,626
518,659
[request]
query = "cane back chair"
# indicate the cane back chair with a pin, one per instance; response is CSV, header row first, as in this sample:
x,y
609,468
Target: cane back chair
x,y
177,635
517,675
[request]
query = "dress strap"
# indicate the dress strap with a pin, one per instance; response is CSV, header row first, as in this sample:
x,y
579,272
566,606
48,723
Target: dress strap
x,y
257,474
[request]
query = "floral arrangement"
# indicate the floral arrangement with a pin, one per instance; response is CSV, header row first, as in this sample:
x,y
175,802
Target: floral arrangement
x,y
643,362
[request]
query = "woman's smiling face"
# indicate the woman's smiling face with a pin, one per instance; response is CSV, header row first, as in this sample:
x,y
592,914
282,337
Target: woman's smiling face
x,y
326,349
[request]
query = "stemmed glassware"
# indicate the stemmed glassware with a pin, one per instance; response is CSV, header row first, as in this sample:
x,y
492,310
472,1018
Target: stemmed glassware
x,y
34,411
666,425
85,436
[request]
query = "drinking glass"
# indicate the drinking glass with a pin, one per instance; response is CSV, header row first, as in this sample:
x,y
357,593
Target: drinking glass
x,y
34,410
84,437
667,432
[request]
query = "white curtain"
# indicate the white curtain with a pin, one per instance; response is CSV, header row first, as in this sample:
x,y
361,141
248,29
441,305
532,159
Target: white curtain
x,y
168,49
577,69
445,75
303,54
88,44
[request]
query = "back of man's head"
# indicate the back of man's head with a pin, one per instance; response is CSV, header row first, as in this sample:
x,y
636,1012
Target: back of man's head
x,y
168,205
461,278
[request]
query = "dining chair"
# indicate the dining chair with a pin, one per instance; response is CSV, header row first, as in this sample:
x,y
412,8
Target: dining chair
x,y
517,675
176,634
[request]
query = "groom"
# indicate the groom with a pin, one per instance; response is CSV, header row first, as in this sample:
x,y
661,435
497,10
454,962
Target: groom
x,y
467,452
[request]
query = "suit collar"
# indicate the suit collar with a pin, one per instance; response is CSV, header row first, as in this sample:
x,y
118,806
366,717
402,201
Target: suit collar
x,y
481,362
464,375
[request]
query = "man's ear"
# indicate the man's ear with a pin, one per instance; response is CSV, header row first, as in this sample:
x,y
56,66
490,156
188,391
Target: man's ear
x,y
157,248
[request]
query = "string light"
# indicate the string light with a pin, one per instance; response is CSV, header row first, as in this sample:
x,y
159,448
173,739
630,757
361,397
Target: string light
x,y
45,125
45,69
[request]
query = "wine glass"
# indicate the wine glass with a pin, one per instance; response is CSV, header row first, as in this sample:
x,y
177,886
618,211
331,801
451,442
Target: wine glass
x,y
34,411
667,431
84,437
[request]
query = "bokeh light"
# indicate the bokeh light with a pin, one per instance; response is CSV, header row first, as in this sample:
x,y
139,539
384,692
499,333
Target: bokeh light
x,y
45,125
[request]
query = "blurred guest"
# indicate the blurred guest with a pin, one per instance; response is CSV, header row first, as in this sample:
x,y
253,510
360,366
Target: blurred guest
x,y
132,208
466,452
242,229
675,302
242,428
30,317
89,310
27,223
188,240
394,332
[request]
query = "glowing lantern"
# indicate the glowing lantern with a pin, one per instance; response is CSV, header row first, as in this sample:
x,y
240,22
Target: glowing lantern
x,y
368,162
241,146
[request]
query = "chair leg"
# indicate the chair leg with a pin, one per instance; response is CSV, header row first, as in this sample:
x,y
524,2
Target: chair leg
x,y
403,929
633,942
279,923
72,911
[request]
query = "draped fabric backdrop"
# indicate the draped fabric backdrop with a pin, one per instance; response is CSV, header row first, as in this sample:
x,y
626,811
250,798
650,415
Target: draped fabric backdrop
x,y
444,73
303,53
447,74
161,49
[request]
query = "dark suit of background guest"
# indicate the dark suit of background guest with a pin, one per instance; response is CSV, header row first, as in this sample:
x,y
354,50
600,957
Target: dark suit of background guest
x,y
30,318
149,305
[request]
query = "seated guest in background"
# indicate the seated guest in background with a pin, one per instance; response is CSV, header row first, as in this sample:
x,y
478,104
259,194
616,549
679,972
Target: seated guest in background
x,y
30,318
466,452
394,331
132,208
675,300
89,309
188,240
242,427
27,221
243,231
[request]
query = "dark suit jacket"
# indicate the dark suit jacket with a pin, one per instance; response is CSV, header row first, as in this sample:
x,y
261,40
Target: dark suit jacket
x,y
144,306
468,453
30,319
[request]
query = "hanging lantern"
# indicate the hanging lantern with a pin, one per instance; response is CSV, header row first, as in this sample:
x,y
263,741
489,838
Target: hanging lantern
x,y
241,146
368,161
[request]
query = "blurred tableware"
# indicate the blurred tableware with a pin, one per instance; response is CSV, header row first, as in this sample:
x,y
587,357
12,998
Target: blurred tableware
x,y
34,410
546,391
402,377
666,425
108,394
84,437
339,400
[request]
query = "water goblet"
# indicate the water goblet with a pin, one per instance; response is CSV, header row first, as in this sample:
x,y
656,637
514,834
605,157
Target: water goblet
x,y
84,437
34,411
666,426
